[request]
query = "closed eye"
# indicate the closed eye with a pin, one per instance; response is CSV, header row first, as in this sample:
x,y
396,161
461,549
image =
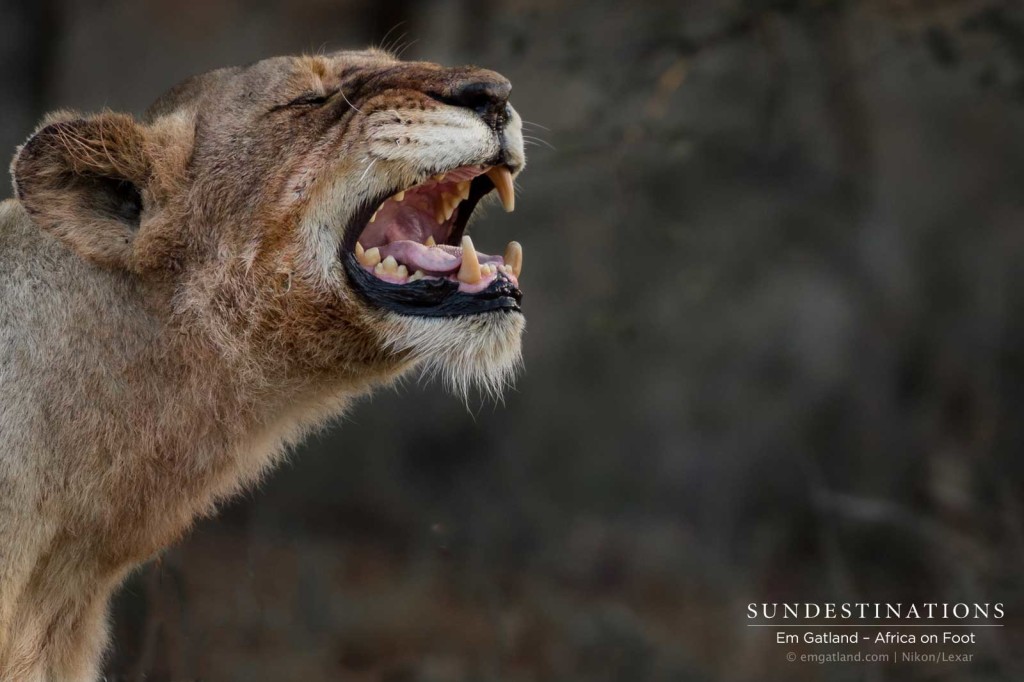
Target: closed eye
x,y
309,99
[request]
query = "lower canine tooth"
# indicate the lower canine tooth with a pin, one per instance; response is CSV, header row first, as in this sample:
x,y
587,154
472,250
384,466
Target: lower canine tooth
x,y
469,272
430,241
514,257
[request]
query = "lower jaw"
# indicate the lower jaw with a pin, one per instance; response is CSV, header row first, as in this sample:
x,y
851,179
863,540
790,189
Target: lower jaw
x,y
431,297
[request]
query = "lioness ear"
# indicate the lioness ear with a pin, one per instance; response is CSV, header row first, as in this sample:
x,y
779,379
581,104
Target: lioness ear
x,y
82,180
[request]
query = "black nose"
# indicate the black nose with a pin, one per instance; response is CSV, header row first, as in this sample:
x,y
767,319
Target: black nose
x,y
486,93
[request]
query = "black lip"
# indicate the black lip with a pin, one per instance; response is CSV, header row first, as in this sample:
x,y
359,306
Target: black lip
x,y
431,297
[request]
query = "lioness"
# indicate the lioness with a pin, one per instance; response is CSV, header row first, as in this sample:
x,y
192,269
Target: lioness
x,y
184,296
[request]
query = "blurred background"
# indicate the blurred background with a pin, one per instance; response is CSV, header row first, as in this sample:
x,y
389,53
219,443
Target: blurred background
x,y
775,348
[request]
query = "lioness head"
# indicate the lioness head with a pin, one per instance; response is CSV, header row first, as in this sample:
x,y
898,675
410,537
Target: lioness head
x,y
311,212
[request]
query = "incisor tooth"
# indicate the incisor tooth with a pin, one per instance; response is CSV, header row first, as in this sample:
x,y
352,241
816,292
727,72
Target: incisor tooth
x,y
463,189
371,258
450,202
379,268
514,257
430,241
469,271
416,276
502,179
402,271
400,196
390,264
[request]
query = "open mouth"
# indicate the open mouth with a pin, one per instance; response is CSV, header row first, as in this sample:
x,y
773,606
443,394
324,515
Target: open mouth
x,y
409,251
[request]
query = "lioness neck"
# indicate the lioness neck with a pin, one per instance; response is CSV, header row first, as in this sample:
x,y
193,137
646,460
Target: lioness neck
x,y
140,426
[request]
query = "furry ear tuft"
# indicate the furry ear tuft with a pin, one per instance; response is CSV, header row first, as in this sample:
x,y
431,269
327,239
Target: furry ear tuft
x,y
82,180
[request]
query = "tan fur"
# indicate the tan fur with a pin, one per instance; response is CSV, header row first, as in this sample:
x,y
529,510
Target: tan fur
x,y
149,371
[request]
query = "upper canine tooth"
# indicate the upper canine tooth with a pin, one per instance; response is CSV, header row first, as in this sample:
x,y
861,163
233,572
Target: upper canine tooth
x,y
390,264
430,240
400,196
514,257
371,257
463,189
469,271
439,212
502,179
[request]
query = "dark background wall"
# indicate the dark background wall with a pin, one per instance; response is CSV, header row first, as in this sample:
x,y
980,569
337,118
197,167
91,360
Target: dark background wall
x,y
775,348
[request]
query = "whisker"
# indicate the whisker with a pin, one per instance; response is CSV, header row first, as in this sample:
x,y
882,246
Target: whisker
x,y
348,102
536,140
384,40
536,125
363,176
393,46
405,47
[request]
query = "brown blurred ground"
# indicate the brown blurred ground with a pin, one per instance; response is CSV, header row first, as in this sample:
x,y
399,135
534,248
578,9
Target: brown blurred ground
x,y
775,353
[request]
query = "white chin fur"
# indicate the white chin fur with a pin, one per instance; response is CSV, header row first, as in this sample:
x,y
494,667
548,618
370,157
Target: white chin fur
x,y
482,351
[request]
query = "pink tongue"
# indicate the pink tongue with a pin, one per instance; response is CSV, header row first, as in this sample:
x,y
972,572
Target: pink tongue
x,y
435,260
419,257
